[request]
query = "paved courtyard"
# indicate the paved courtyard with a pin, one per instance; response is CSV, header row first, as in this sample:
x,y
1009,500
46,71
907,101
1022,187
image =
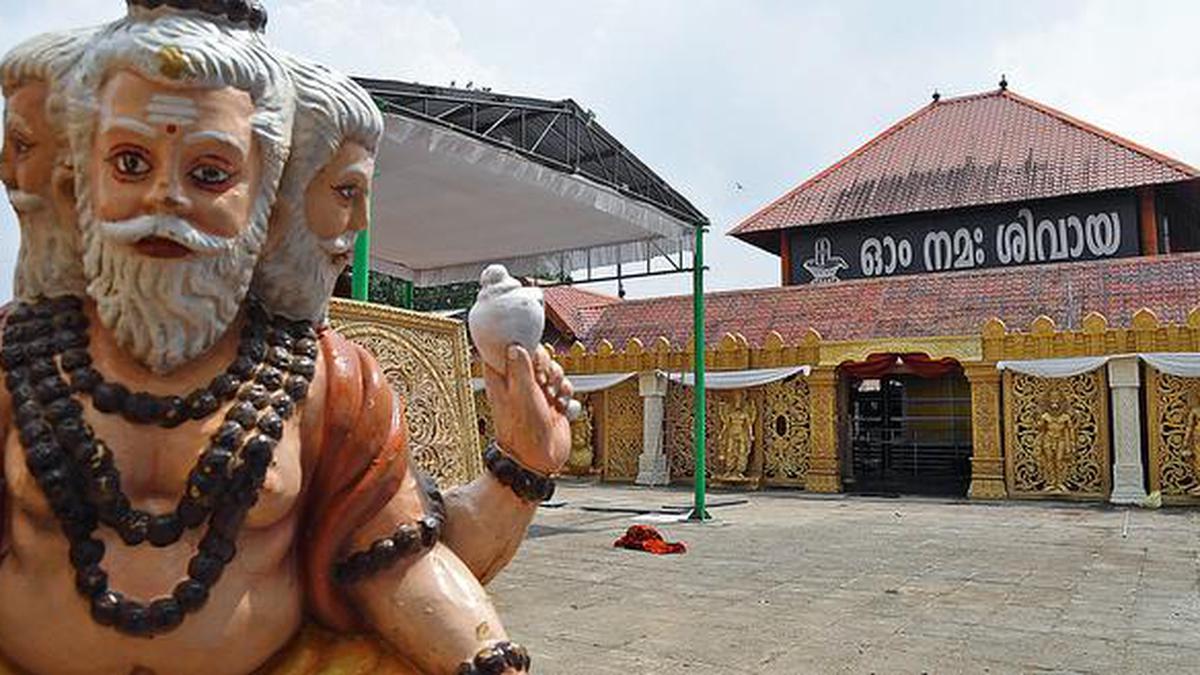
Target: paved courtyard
x,y
793,583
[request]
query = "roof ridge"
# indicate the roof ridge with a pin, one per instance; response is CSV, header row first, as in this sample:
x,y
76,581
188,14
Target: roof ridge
x,y
860,150
1103,134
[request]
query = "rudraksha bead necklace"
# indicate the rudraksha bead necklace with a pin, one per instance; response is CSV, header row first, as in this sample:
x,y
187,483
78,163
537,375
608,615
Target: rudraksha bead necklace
x,y
77,476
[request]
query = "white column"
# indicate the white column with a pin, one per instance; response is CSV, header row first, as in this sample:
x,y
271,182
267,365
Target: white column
x,y
1124,380
652,465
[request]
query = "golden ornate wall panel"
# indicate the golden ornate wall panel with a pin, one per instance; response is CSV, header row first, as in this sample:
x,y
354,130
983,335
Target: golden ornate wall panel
x,y
621,428
484,423
786,432
1173,431
1056,434
425,359
677,432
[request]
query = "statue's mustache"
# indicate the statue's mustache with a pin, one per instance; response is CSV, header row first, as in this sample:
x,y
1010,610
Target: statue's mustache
x,y
172,228
25,202
339,245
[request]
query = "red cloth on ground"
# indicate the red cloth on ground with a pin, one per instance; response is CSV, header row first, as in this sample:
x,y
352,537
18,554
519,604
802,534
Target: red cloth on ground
x,y
646,538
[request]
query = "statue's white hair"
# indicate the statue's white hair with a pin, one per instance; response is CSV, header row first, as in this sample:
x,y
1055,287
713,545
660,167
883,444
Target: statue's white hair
x,y
49,261
160,310
295,278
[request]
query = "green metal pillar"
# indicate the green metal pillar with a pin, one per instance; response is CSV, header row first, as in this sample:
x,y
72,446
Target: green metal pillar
x,y
406,294
700,509
360,281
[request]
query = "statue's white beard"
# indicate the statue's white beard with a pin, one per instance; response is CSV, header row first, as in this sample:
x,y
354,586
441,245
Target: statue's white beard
x,y
296,280
166,311
49,261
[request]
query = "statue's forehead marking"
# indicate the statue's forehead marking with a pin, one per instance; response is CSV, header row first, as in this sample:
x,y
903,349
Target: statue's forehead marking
x,y
164,109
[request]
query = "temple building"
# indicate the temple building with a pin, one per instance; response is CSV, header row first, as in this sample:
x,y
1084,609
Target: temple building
x,y
990,299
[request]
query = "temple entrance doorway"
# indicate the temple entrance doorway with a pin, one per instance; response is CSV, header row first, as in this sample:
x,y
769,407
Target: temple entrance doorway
x,y
910,427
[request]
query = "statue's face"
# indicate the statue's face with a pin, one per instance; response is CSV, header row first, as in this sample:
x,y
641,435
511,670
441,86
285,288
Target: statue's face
x,y
337,201
183,152
28,157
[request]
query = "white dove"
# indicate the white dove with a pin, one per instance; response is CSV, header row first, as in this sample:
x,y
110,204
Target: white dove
x,y
506,313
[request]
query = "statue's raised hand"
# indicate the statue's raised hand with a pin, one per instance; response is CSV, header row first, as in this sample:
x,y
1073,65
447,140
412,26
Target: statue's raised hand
x,y
528,409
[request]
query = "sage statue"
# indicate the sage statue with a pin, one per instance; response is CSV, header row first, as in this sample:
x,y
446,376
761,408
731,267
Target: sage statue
x,y
192,455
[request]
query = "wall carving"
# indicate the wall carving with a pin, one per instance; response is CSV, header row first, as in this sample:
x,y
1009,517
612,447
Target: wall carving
x,y
582,460
1174,436
622,431
483,420
1057,435
677,432
786,432
425,359
737,417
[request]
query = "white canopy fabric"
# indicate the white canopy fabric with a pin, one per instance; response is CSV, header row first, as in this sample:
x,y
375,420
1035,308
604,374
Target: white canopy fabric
x,y
583,384
740,379
446,204
1177,364
1066,367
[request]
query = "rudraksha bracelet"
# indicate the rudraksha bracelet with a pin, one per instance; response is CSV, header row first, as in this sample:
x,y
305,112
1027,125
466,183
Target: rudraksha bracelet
x,y
530,486
496,659
408,539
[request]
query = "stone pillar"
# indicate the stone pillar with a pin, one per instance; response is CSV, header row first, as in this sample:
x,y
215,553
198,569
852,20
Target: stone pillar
x,y
824,473
1124,381
653,468
987,458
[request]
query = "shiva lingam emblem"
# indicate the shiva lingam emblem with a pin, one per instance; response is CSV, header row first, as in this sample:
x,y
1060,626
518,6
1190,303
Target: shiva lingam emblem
x,y
824,266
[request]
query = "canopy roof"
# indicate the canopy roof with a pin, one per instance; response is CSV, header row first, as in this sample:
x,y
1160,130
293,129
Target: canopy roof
x,y
987,148
468,177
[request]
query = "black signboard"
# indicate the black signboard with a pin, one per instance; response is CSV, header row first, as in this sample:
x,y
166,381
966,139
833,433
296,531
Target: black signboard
x,y
1061,230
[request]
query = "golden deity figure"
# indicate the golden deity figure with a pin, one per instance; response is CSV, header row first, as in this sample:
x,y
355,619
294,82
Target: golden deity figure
x,y
1191,438
1055,444
582,455
736,436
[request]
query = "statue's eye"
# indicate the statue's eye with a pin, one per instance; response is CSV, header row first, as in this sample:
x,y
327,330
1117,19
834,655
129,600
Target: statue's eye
x,y
208,175
347,192
130,164
21,146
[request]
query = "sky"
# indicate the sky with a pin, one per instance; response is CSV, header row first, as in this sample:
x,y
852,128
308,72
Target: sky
x,y
734,103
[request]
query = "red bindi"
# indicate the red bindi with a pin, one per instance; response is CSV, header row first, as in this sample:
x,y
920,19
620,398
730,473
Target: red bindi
x,y
171,128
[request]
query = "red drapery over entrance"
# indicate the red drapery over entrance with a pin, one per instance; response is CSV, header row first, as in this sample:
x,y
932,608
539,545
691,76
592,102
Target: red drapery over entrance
x,y
878,365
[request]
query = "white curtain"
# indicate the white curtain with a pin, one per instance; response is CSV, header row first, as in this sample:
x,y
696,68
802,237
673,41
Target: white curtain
x,y
740,379
584,384
1178,364
1068,367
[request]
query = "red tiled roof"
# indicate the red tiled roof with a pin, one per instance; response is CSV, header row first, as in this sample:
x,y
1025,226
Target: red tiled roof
x,y
956,303
985,148
573,310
